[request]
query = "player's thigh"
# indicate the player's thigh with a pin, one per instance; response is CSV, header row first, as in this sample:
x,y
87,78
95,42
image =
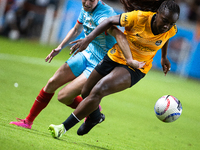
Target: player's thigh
x,y
73,89
62,75
73,67
91,82
117,80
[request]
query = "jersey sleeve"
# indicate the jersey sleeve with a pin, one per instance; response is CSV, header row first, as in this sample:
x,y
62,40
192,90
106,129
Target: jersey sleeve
x,y
128,19
101,19
102,15
80,18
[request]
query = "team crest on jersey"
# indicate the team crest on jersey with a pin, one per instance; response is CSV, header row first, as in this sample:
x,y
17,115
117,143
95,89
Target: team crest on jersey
x,y
113,50
158,42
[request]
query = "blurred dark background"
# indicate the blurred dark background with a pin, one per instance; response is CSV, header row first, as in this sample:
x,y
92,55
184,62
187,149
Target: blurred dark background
x,y
24,18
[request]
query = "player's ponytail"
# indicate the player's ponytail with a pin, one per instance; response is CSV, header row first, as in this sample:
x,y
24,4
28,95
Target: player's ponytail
x,y
150,5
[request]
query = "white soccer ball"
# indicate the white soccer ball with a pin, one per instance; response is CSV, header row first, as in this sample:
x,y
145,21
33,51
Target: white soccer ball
x,y
168,108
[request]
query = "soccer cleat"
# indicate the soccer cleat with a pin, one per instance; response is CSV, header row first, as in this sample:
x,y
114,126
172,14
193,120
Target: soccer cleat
x,y
24,123
88,116
89,124
57,130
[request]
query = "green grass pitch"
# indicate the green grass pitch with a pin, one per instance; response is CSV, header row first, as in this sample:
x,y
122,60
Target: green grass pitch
x,y
130,120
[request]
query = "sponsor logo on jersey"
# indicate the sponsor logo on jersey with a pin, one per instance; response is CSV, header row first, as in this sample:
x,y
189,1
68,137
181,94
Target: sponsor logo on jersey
x,y
142,48
138,35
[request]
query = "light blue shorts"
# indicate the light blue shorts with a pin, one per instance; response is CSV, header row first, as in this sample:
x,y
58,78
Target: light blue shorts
x,y
83,62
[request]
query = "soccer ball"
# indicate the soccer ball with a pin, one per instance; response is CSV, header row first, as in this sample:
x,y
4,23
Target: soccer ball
x,y
168,108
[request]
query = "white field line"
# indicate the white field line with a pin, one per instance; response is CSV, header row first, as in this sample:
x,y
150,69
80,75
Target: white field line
x,y
30,60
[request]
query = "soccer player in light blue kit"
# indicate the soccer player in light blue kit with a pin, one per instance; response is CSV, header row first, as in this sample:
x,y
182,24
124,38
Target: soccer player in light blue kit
x,y
78,67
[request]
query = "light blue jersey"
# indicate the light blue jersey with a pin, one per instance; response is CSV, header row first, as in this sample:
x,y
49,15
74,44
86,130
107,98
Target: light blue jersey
x,y
90,20
85,61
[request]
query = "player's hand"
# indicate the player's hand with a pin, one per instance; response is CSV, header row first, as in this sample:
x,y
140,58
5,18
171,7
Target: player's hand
x,y
53,53
165,65
135,64
79,46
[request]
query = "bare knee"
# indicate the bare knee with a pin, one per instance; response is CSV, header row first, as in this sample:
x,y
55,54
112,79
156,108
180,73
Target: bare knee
x,y
85,92
51,81
94,98
97,93
51,86
60,97
63,98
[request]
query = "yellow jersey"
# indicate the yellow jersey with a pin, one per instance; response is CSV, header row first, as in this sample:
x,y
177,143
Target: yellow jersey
x,y
143,43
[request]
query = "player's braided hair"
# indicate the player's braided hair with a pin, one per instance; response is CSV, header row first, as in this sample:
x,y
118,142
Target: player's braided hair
x,y
145,5
170,5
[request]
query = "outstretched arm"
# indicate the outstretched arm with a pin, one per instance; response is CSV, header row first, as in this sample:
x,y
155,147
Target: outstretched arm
x,y
72,34
164,61
124,46
105,25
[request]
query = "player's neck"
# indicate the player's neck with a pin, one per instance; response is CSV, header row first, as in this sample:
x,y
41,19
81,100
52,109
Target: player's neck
x,y
153,25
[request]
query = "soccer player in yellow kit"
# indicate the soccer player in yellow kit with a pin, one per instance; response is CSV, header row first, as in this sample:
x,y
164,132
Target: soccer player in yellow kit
x,y
142,41
127,62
